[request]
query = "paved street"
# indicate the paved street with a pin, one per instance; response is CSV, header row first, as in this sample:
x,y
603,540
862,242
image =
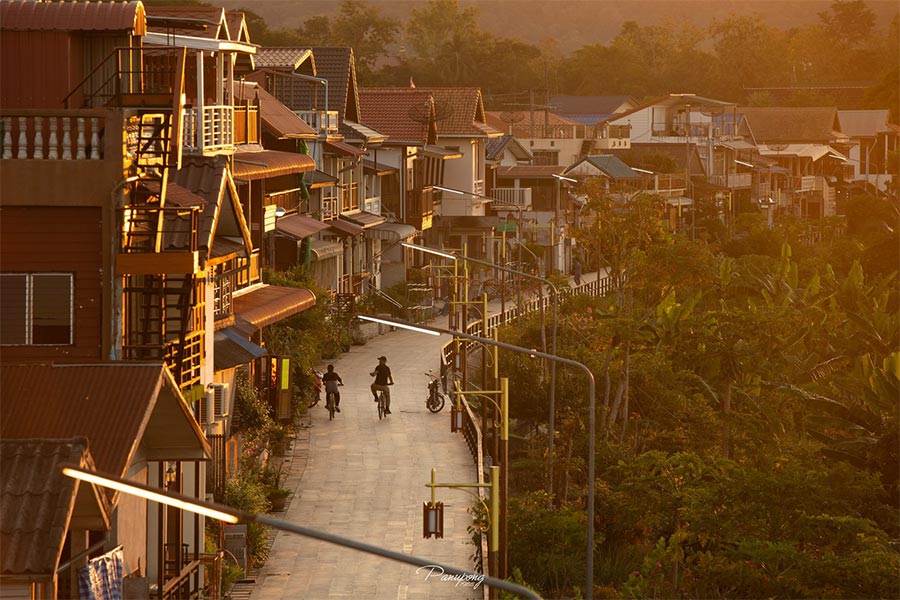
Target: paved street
x,y
365,479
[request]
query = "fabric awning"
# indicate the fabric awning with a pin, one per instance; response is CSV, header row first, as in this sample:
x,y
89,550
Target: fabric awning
x,y
271,303
370,166
364,219
442,153
322,249
344,149
344,228
299,226
391,232
233,349
318,179
270,163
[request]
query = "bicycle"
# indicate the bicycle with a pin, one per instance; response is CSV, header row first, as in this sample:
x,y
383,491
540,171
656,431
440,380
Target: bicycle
x,y
382,405
435,400
330,404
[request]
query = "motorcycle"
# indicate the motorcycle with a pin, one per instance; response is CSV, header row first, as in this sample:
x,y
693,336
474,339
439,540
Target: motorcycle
x,y
435,400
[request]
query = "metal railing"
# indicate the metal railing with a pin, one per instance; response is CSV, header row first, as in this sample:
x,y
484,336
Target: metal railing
x,y
323,121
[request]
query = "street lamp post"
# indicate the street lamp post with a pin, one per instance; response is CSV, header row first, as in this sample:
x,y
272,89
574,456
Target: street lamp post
x,y
430,330
232,515
552,420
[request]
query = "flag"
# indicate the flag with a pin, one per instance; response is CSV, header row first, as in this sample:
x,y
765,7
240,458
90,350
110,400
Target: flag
x,y
412,83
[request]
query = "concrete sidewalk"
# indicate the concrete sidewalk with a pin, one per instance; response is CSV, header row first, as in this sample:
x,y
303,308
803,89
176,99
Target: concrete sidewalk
x,y
365,479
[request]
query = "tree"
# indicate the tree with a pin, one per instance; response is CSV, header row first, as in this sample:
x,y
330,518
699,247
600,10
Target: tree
x,y
850,21
362,27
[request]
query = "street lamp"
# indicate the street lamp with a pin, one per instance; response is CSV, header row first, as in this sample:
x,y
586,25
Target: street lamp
x,y
233,515
431,330
552,421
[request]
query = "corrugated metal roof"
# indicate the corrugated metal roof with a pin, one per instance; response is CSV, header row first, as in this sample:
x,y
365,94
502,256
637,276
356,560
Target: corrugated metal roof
x,y
271,303
299,226
109,403
35,502
377,168
344,149
233,349
322,249
281,121
318,179
206,22
73,16
391,232
363,133
270,163
611,166
364,219
345,228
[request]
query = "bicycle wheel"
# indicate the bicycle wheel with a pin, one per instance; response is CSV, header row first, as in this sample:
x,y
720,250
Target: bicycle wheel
x,y
436,404
380,405
329,404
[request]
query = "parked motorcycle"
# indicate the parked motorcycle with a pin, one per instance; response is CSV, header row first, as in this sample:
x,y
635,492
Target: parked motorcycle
x,y
435,400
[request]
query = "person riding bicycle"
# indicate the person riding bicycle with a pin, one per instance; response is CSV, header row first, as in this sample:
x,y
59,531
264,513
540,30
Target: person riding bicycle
x,y
332,380
383,379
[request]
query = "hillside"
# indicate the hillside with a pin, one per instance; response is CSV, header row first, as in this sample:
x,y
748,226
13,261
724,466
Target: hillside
x,y
573,23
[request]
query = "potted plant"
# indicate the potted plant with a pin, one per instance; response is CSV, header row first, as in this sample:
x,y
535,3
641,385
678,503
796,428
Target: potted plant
x,y
276,493
277,497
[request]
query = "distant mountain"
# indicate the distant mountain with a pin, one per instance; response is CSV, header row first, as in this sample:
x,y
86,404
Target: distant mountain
x,y
573,23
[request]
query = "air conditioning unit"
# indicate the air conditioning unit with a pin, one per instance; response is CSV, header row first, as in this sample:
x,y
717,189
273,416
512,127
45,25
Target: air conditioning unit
x,y
216,401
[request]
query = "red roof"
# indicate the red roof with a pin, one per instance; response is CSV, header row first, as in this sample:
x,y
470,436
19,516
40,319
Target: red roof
x,y
73,16
459,111
404,116
37,502
111,404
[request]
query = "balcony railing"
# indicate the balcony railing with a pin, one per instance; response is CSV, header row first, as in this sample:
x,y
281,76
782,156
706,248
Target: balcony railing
x,y
323,121
210,131
289,200
373,205
478,187
732,180
331,208
804,183
349,196
517,197
52,134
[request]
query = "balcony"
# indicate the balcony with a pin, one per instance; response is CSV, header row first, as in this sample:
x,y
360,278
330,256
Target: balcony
x,y
420,208
732,180
208,130
478,187
805,183
349,197
323,121
519,198
289,200
331,208
52,135
373,205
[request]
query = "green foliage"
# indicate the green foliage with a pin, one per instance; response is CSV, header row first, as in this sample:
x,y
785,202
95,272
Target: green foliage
x,y
245,491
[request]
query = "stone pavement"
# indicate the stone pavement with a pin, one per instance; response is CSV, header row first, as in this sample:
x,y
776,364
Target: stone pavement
x,y
365,479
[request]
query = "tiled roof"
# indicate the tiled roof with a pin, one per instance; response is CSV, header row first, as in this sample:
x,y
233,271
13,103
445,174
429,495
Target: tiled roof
x,y
109,404
402,116
459,111
864,123
281,58
206,178
791,124
36,501
281,121
608,165
73,16
237,30
676,151
496,146
585,105
197,21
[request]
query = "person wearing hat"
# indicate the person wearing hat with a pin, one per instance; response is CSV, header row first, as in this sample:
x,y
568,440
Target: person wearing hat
x,y
383,379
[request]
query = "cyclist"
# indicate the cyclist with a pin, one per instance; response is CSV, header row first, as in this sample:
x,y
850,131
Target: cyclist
x,y
332,380
383,379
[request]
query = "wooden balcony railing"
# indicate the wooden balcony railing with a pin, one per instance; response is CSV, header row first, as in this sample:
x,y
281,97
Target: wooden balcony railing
x,y
289,200
515,197
208,131
478,187
323,121
331,208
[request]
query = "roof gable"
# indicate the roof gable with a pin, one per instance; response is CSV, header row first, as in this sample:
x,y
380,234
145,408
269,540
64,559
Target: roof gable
x,y
207,22
606,164
791,124
405,117
865,123
459,111
116,406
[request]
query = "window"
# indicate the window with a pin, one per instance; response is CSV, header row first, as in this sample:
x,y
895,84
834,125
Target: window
x,y
545,157
36,309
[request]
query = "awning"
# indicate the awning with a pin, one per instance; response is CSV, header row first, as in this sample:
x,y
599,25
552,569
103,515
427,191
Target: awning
x,y
299,226
370,166
344,149
345,228
271,303
233,349
322,249
391,232
318,179
367,133
364,219
270,163
441,153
